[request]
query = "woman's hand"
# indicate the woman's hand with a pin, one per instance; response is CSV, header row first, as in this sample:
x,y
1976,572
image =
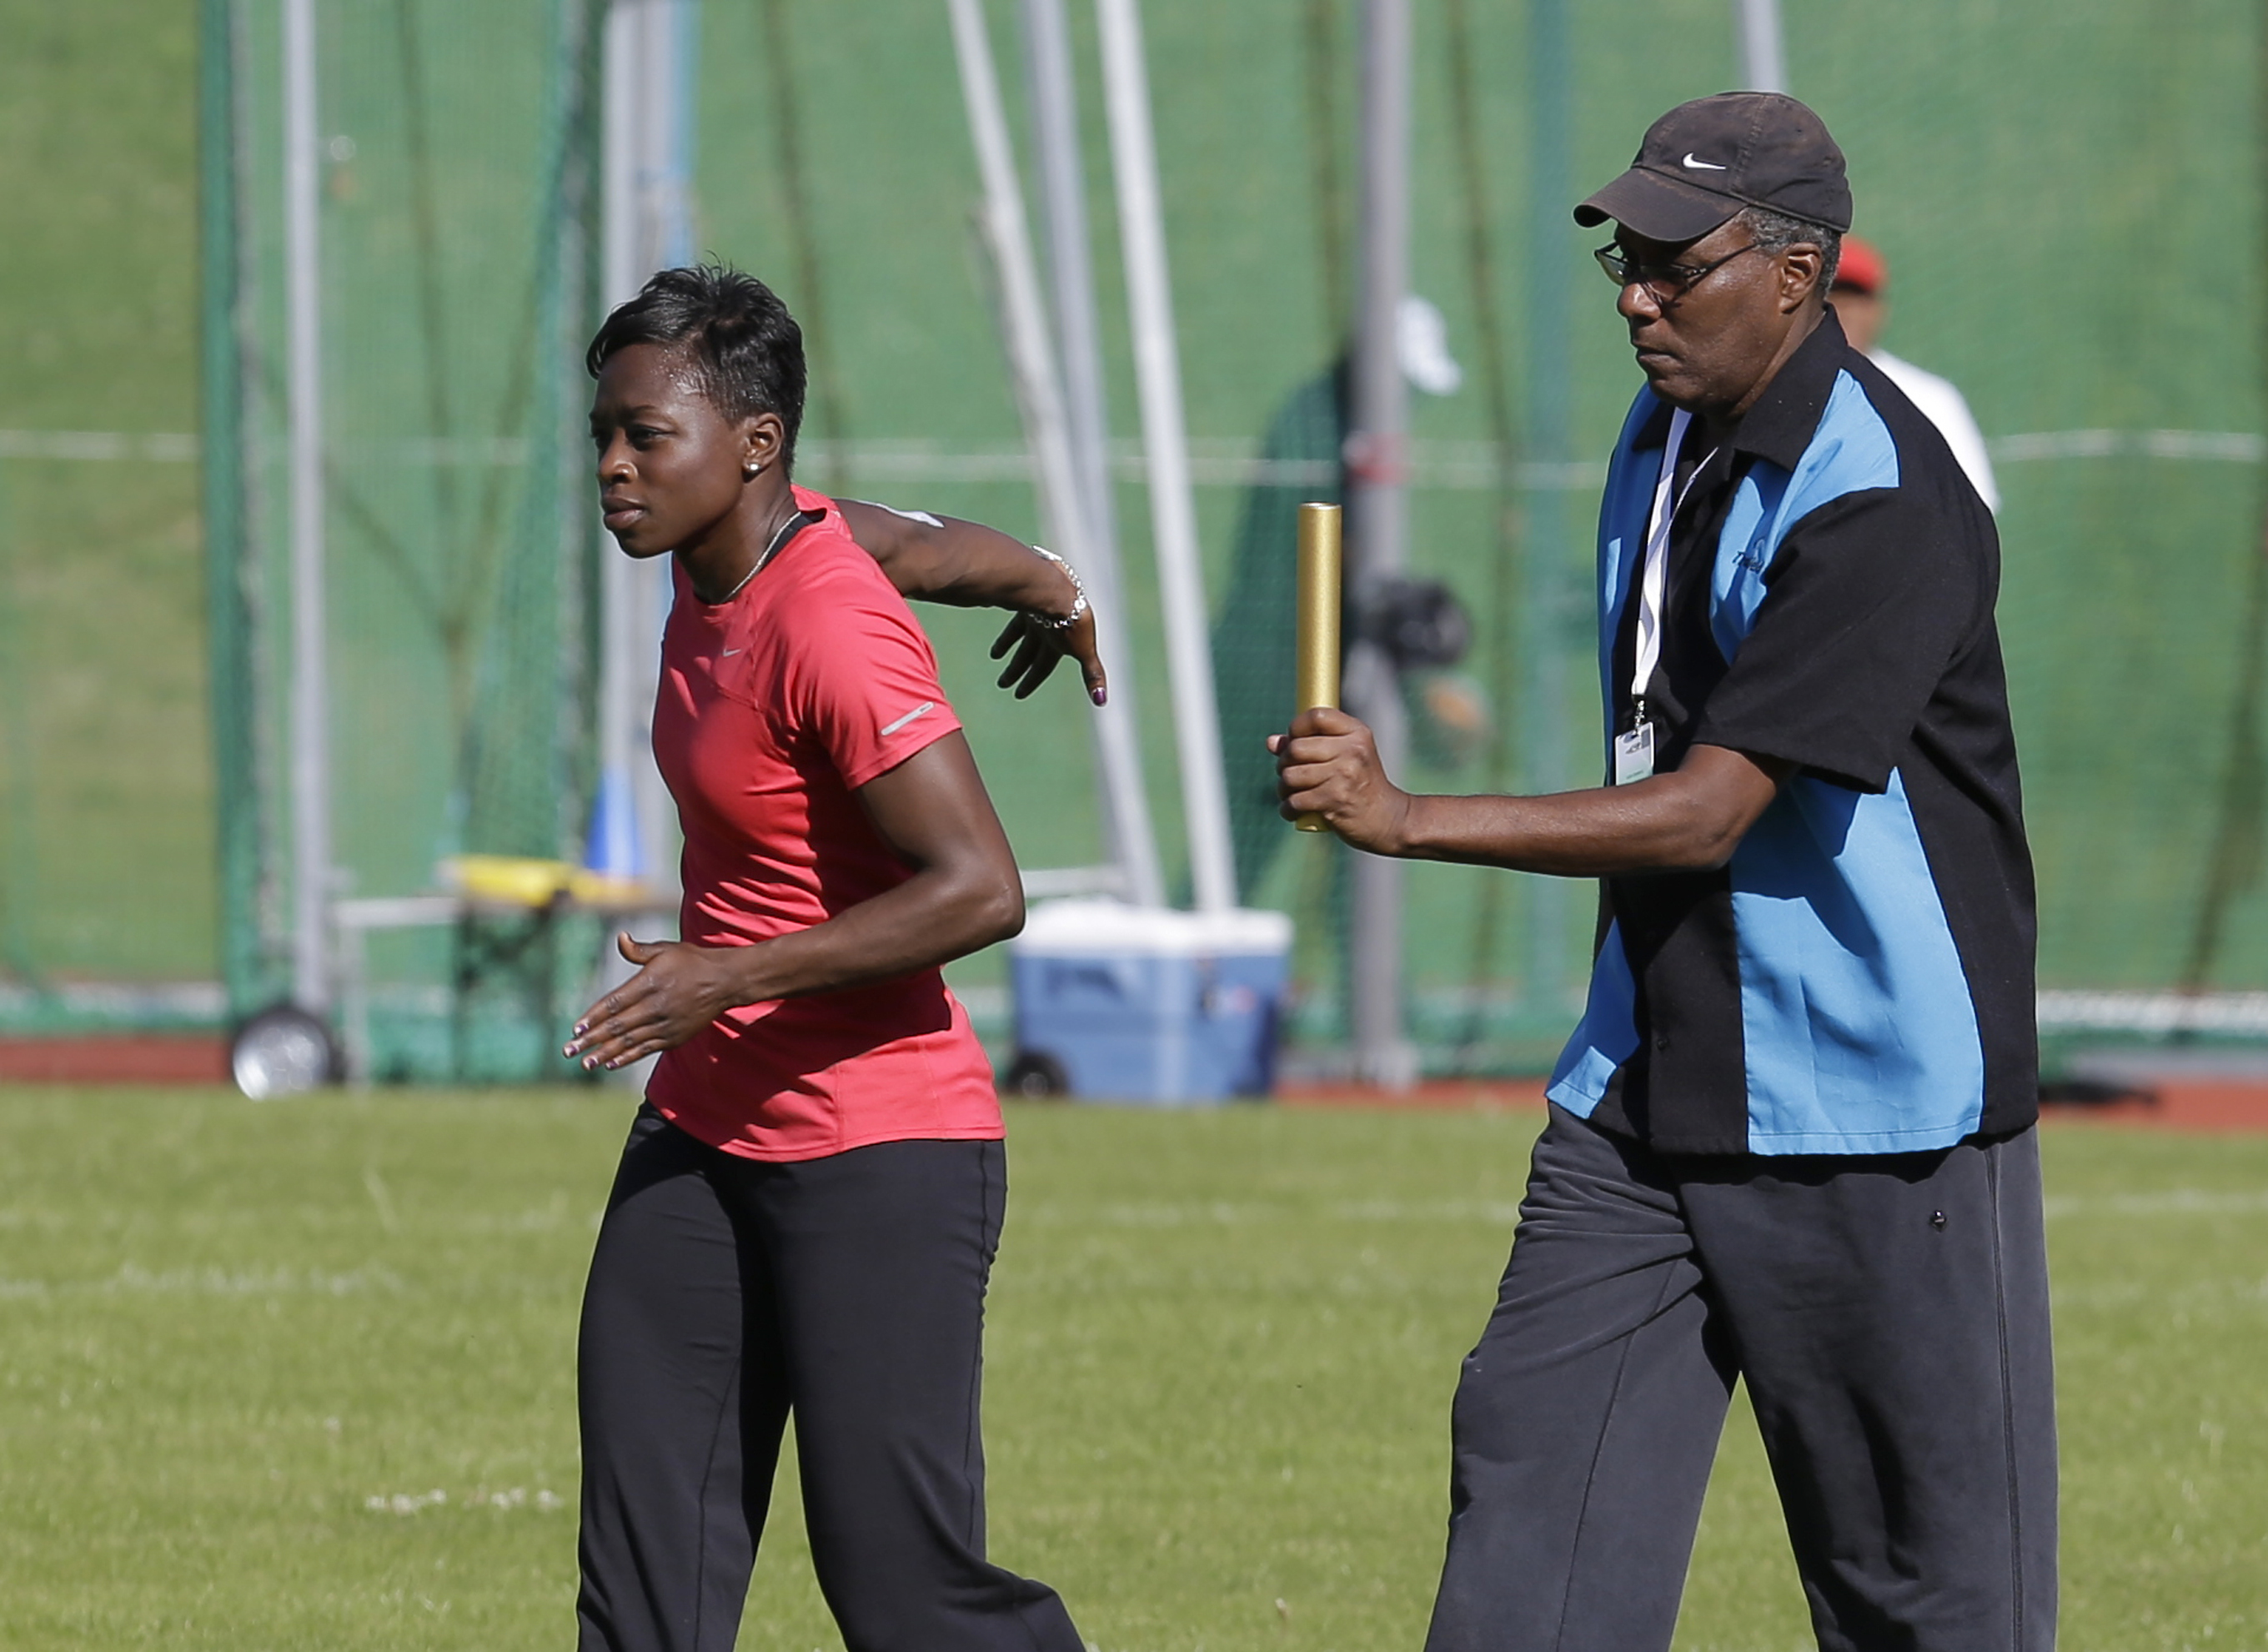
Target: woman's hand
x,y
1040,645
964,893
679,989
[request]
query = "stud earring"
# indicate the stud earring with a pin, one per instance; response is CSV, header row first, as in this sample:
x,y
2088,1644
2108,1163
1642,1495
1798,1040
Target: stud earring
x,y
753,471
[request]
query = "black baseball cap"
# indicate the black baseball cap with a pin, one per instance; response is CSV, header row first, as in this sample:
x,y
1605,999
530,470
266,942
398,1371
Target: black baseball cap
x,y
1704,160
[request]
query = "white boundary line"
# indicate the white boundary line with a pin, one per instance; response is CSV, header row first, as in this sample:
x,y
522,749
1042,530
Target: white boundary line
x,y
2241,1015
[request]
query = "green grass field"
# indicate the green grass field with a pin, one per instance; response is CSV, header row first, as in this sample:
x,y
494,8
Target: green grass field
x,y
300,1375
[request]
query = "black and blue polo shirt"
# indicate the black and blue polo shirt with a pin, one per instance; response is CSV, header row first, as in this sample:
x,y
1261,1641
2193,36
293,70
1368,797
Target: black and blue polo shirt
x,y
1859,978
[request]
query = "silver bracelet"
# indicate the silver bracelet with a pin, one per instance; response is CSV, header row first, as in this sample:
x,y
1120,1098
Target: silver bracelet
x,y
1079,606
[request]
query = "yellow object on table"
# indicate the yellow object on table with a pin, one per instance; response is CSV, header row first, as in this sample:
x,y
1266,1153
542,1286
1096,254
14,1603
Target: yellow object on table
x,y
507,879
526,880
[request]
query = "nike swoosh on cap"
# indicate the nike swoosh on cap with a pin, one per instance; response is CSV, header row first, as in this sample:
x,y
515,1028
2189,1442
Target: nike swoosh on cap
x,y
1704,166
922,710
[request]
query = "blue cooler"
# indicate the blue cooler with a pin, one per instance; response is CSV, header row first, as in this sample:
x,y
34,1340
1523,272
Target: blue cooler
x,y
1145,1004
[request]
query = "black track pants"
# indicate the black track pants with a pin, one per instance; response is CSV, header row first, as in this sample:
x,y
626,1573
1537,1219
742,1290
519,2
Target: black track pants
x,y
1890,1318
726,1295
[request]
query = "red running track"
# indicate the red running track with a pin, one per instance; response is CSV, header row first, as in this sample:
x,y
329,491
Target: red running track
x,y
132,1058
2182,1102
2186,1103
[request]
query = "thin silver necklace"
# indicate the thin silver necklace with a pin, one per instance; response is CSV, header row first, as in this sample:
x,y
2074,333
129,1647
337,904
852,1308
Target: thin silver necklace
x,y
779,538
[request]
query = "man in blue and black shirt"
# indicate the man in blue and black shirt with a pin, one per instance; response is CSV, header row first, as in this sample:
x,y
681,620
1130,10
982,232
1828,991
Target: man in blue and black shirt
x,y
1792,1140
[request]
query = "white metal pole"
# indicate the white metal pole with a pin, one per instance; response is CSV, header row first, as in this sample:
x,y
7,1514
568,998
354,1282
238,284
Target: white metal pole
x,y
625,91
645,179
310,729
1062,214
1165,444
1763,60
1032,364
678,79
1063,220
1031,355
1376,444
617,709
1548,581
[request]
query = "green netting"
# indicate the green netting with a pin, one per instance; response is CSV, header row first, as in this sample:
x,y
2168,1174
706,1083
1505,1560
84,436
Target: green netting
x,y
106,789
458,155
2029,168
2058,187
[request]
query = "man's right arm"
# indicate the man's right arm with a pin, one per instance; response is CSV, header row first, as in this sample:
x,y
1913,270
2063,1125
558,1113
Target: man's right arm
x,y
1689,819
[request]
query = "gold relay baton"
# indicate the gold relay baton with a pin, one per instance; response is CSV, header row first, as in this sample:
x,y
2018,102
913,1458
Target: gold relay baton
x,y
1319,618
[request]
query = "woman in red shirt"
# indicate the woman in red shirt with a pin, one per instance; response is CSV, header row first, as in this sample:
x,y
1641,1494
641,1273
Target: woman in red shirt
x,y
808,1205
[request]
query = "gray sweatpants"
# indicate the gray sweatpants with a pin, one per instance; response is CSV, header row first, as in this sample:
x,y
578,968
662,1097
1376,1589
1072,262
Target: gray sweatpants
x,y
1889,1315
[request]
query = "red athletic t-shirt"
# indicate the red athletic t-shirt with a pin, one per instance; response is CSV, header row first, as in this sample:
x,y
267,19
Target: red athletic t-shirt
x,y
774,708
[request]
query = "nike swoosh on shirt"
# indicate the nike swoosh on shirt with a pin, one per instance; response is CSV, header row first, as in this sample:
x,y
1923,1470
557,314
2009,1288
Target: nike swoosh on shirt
x,y
922,710
1704,166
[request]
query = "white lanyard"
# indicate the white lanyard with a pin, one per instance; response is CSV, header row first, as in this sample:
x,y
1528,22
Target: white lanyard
x,y
1653,578
1633,752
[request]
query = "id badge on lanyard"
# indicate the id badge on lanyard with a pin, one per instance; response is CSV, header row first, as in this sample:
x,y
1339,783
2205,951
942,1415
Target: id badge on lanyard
x,y
1633,752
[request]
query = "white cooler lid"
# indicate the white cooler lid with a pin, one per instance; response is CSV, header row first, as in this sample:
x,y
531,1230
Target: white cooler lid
x,y
1086,928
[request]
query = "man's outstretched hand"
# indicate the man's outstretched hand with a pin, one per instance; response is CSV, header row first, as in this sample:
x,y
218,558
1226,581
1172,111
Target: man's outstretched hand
x,y
1328,765
1689,819
1040,647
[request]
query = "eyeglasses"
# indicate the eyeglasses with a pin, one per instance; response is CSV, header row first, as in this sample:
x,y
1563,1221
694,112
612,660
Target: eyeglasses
x,y
1667,282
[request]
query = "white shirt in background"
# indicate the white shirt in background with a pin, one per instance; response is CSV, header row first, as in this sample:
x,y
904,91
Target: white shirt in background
x,y
1944,407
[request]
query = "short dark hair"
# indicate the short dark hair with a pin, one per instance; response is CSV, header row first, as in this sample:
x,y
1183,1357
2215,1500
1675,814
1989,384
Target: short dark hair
x,y
1777,232
746,346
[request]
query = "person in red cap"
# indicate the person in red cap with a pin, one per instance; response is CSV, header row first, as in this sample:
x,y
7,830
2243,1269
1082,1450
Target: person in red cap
x,y
1790,1143
1862,302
